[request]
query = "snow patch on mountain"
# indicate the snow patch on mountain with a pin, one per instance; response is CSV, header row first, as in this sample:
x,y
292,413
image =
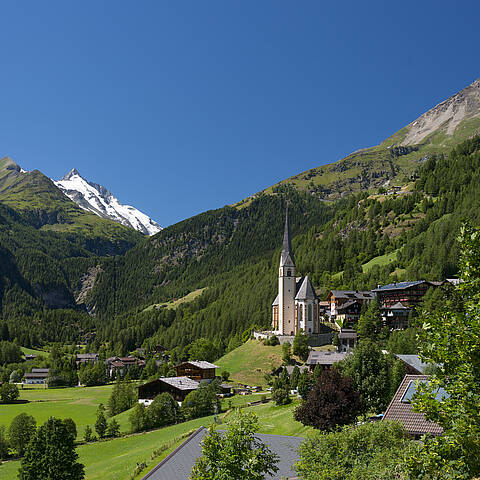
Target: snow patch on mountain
x,y
97,199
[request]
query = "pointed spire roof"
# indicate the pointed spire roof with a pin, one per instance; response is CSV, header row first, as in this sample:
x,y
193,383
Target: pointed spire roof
x,y
306,291
287,244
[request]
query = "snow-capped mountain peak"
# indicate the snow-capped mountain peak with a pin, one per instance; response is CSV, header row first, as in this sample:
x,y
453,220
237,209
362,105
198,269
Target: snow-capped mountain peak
x,y
97,199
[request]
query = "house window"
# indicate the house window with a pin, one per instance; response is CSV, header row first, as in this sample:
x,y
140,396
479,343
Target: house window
x,y
310,312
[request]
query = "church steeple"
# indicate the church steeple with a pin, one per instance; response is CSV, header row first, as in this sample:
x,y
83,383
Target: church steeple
x,y
287,244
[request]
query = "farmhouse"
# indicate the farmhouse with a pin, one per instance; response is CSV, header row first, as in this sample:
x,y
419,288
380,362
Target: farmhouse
x,y
178,387
345,303
86,358
196,370
296,306
121,365
37,376
401,409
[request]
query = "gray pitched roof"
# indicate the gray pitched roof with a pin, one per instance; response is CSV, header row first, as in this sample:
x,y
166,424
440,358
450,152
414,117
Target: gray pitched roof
x,y
414,362
287,244
354,294
325,358
290,368
347,304
397,306
400,285
181,383
178,465
202,364
306,291
347,333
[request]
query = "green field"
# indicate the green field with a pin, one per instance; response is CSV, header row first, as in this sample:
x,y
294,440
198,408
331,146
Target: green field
x,y
250,362
380,261
32,351
78,403
175,303
116,459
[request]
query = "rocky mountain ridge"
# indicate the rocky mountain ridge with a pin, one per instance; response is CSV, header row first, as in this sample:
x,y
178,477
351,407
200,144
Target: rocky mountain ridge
x,y
398,157
97,199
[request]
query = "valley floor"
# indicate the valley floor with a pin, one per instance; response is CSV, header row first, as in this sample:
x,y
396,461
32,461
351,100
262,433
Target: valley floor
x,y
117,459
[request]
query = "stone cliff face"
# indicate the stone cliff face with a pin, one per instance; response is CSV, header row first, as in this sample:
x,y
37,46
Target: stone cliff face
x,y
446,116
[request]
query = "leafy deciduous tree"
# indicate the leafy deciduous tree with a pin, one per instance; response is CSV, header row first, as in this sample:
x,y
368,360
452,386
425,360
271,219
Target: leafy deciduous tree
x,y
21,430
51,454
236,455
333,401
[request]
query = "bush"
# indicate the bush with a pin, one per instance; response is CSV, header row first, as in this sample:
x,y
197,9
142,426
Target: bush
x,y
201,402
281,396
89,436
113,429
8,393
372,451
163,411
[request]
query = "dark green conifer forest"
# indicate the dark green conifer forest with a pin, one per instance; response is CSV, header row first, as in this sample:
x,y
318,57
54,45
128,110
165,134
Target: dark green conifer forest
x,y
54,287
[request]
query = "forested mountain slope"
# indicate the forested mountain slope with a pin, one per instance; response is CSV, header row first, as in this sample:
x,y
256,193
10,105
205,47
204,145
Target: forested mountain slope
x,y
49,248
69,275
235,253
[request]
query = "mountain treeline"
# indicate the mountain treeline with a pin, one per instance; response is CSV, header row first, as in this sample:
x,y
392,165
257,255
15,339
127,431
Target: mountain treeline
x,y
356,242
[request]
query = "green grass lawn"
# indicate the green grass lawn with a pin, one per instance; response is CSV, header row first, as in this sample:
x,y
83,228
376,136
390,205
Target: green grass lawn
x,y
32,351
78,403
250,362
116,459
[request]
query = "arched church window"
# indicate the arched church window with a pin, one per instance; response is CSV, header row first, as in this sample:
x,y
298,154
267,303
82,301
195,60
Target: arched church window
x,y
310,312
289,273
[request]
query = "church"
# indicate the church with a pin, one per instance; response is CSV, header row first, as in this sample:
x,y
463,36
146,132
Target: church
x,y
296,306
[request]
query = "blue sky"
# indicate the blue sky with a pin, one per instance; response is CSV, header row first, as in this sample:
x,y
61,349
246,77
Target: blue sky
x,y
183,106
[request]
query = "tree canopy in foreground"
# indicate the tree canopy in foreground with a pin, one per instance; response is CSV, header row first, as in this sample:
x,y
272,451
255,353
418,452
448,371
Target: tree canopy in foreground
x,y
236,454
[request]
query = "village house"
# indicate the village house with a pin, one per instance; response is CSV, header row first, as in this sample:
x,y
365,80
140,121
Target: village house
x,y
401,409
37,376
177,387
324,359
196,370
347,340
86,358
398,300
345,305
121,365
296,306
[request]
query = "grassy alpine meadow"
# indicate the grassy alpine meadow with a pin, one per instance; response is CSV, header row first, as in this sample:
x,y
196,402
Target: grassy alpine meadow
x,y
77,403
117,459
250,362
32,351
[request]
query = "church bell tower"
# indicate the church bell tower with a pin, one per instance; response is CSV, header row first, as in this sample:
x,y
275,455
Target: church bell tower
x,y
286,285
